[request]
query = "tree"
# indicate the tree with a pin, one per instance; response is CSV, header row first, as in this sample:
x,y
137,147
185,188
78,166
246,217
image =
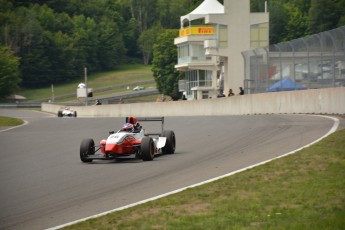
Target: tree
x,y
85,42
278,20
257,5
130,35
146,41
111,48
46,47
325,15
297,22
164,61
144,11
9,72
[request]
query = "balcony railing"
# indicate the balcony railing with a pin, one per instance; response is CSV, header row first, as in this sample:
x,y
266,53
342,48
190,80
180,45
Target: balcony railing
x,y
194,59
212,43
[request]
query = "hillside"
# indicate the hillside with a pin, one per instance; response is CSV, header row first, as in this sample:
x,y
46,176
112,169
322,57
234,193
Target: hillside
x,y
112,82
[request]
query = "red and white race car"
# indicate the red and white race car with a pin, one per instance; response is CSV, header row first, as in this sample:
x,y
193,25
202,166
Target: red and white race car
x,y
130,140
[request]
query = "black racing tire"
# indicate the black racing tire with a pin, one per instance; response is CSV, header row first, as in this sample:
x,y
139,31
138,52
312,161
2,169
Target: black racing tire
x,y
87,147
59,113
75,113
147,149
170,143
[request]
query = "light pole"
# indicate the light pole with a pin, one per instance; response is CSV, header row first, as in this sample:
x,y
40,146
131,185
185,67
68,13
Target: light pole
x,y
86,98
53,98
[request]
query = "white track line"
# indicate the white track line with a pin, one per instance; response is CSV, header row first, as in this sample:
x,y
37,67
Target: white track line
x,y
332,130
13,127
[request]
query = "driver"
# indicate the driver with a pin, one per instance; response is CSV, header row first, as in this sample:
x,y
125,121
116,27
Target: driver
x,y
128,127
135,123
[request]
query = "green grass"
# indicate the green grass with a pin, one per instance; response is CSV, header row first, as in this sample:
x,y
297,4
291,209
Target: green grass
x,y
9,121
126,74
301,191
150,98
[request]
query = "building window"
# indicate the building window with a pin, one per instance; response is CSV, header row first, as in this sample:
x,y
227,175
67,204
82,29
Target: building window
x,y
223,36
183,53
198,52
204,94
259,35
195,78
191,53
205,78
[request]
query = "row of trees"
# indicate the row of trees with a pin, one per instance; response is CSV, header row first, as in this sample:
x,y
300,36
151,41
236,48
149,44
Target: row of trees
x,y
56,39
53,40
291,19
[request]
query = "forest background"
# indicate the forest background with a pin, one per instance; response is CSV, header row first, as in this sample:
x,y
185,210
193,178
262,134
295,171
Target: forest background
x,y
44,42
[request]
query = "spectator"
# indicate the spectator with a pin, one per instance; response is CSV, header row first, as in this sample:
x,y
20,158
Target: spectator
x,y
241,91
221,94
230,93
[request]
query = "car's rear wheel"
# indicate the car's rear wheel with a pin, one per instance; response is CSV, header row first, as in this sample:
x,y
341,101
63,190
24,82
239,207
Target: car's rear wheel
x,y
75,113
170,143
59,113
87,147
147,149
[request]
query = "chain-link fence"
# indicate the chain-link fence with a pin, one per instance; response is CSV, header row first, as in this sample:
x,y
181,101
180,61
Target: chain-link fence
x,y
316,61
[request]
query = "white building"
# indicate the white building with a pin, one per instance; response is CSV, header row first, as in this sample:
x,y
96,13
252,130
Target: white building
x,y
209,52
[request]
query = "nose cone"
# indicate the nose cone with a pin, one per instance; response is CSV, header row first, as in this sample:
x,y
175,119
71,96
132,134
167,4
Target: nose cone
x,y
110,148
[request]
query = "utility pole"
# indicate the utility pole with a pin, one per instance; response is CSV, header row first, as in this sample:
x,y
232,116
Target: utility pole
x,y
86,98
53,98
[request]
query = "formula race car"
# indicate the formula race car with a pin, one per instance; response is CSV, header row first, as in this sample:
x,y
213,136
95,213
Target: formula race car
x,y
130,141
67,112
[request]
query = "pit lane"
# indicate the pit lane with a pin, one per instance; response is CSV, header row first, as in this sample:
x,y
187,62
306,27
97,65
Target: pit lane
x,y
44,183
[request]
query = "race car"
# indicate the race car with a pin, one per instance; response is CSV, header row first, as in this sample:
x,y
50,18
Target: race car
x,y
130,141
137,88
67,112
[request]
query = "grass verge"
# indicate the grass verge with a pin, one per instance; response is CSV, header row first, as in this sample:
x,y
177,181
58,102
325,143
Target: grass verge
x,y
10,121
124,75
301,191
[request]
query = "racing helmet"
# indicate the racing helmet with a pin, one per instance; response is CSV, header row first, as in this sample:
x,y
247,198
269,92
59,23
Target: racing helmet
x,y
132,120
128,127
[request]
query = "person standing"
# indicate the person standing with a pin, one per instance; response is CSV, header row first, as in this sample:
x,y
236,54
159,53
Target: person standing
x,y
241,91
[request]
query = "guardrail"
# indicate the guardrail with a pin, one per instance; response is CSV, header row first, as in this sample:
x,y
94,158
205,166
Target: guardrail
x,y
21,105
115,98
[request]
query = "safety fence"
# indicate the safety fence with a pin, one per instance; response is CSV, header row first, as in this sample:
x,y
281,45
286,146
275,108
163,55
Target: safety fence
x,y
312,62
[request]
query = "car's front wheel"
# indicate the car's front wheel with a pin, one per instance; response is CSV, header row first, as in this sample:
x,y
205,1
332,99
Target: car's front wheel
x,y
87,147
147,149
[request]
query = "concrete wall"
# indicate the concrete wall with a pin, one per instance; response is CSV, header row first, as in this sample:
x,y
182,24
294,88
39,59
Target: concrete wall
x,y
313,101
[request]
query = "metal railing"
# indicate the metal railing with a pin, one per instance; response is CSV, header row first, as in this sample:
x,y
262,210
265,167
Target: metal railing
x,y
316,61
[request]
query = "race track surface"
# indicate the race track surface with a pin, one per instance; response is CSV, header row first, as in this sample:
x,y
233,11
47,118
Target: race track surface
x,y
44,183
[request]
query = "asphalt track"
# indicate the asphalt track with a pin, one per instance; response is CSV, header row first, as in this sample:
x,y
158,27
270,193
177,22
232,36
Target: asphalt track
x,y
44,184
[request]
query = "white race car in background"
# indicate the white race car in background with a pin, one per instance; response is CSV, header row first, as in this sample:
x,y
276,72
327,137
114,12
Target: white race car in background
x,y
67,112
137,88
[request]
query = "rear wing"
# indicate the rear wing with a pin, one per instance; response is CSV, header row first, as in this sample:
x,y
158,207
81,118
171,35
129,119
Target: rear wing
x,y
148,119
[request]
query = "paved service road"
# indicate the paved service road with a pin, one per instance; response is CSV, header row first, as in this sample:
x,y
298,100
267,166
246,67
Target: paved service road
x,y
44,183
